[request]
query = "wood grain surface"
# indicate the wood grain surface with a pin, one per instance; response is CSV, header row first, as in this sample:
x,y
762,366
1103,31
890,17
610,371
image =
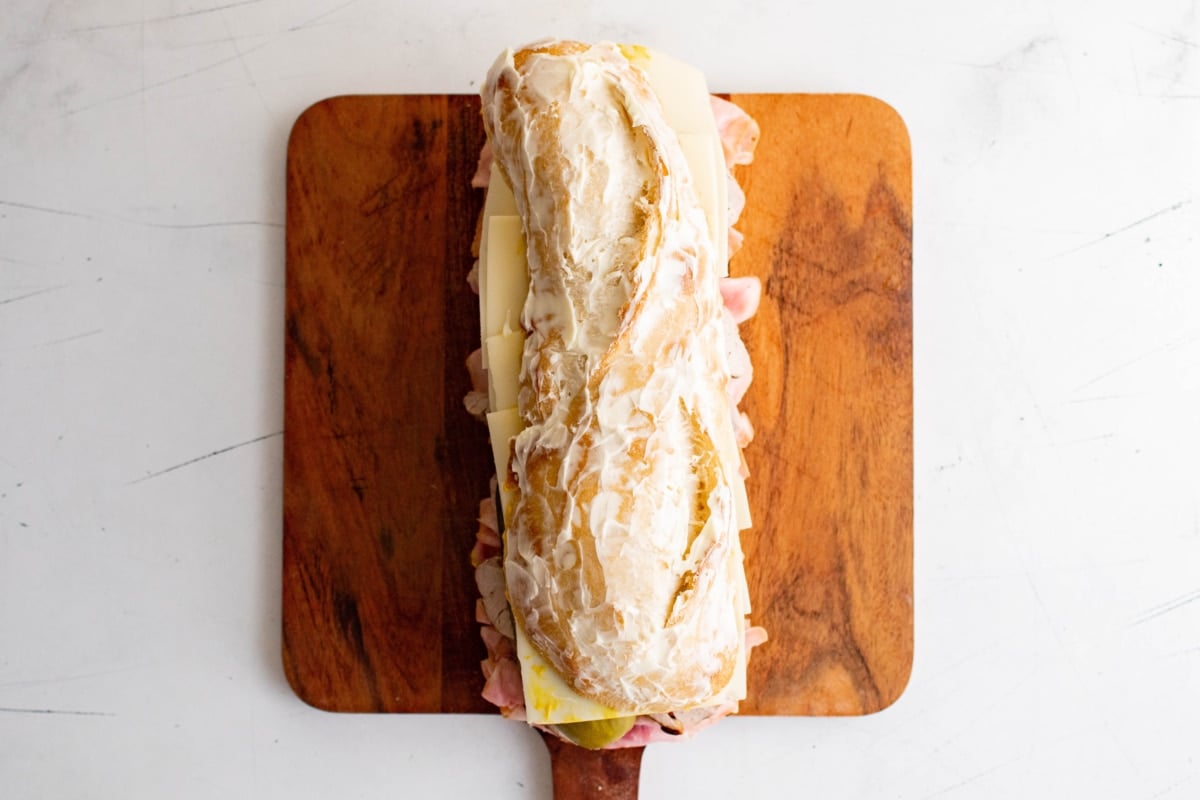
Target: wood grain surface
x,y
579,774
383,469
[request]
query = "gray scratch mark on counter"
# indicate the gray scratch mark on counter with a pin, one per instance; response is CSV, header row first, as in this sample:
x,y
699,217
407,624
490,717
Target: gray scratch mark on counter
x,y
1170,37
32,294
1084,440
48,210
322,16
976,776
1169,209
81,676
1137,72
192,226
1170,789
7,80
70,712
164,82
206,456
71,338
194,13
246,67
22,262
173,226
1162,348
1100,398
1166,608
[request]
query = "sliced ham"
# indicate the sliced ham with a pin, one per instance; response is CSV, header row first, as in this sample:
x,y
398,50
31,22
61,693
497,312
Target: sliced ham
x,y
741,372
743,431
483,169
739,136
741,296
737,202
737,199
498,645
735,241
481,552
476,404
487,516
476,371
503,686
473,277
755,636
476,401
667,727
489,579
737,129
644,731
487,537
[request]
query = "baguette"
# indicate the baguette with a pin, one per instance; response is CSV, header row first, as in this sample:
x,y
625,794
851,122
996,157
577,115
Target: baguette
x,y
622,565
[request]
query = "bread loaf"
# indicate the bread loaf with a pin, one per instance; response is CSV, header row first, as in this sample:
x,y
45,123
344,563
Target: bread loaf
x,y
621,562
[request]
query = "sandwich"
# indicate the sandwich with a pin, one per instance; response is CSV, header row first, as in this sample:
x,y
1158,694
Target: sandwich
x,y
613,596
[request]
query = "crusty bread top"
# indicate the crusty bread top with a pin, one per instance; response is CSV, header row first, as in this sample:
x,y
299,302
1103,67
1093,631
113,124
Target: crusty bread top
x,y
621,558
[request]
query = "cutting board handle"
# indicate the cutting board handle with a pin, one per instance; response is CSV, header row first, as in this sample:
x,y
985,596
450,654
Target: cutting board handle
x,y
581,774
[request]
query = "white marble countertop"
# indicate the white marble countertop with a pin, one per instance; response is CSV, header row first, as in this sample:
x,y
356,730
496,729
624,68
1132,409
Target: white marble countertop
x,y
1057,357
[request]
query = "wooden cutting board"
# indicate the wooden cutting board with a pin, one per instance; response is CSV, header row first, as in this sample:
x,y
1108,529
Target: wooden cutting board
x,y
383,469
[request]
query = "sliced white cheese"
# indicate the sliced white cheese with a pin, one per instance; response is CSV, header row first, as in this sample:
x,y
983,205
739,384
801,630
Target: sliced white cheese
x,y
502,427
550,701
684,96
736,563
681,89
698,150
499,202
722,238
504,357
507,275
741,503
548,698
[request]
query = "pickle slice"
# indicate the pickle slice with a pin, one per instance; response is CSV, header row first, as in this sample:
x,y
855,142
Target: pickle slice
x,y
596,733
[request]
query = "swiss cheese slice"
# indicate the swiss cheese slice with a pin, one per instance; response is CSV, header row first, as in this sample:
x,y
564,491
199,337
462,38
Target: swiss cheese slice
x,y
741,503
504,357
499,202
548,698
681,88
507,275
502,427
697,148
683,93
722,235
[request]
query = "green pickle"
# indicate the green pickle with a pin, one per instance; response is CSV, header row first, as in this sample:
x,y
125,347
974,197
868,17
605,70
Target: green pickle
x,y
597,733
